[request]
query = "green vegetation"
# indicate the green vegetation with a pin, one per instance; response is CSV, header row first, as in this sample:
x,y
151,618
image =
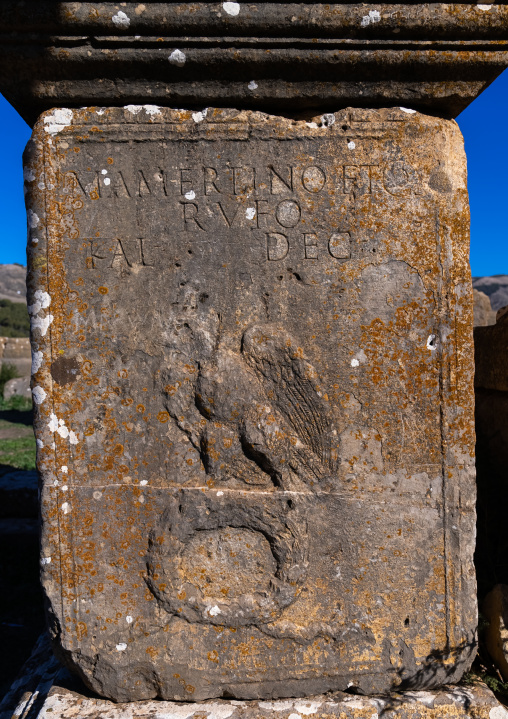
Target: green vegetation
x,y
18,453
16,403
14,320
7,372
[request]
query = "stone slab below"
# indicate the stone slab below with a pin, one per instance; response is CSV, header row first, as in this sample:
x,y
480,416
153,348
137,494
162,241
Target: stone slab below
x,y
45,690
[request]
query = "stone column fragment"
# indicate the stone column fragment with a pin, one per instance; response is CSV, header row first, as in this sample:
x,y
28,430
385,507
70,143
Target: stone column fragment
x,y
253,379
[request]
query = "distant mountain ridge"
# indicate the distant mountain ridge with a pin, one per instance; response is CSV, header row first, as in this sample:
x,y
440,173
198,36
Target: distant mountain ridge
x,y
495,287
13,283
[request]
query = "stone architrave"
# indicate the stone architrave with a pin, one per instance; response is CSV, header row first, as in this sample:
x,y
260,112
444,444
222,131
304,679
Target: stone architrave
x,y
253,377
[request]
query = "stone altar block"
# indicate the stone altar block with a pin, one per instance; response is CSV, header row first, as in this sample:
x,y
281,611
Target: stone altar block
x,y
253,376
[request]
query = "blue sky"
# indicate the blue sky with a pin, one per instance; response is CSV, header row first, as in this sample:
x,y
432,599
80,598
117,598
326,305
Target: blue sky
x,y
484,125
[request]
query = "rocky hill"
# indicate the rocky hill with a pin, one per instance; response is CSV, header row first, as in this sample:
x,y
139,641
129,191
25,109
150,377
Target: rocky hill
x,y
13,283
495,287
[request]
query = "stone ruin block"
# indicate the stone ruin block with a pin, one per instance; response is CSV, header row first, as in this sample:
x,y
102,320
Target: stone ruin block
x,y
253,376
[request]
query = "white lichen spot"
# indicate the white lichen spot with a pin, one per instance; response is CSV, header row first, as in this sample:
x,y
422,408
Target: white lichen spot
x,y
97,495
484,8
141,499
355,362
41,185
104,172
45,560
133,109
100,111
250,213
431,342
199,116
338,573
41,324
408,110
58,121
372,17
294,716
252,85
63,431
28,174
214,611
312,124
73,437
42,302
64,468
220,493
38,394
152,109
39,443
66,507
351,145
121,647
32,219
35,240
177,57
65,488
37,359
53,423
121,19
144,482
129,619
190,195
107,181
232,8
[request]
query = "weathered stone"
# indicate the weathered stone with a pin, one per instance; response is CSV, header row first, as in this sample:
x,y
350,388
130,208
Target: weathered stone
x,y
45,689
495,610
18,387
253,400
273,56
16,351
483,313
496,287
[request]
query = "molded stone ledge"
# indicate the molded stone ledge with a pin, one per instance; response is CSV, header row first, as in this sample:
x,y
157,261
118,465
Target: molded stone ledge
x,y
290,57
45,690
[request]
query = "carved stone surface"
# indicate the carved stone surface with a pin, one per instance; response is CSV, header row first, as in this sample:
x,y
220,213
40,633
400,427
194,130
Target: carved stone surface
x,y
46,689
253,357
279,56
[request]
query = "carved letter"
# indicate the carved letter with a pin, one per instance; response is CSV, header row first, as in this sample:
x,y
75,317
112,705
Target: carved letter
x,y
120,188
339,245
310,246
229,222
277,246
209,177
190,210
184,181
313,178
288,213
242,183
143,186
120,255
277,183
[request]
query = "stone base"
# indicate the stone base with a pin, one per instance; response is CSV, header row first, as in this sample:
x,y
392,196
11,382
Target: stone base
x,y
45,690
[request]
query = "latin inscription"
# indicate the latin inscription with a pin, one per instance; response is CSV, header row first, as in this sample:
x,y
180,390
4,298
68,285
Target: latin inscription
x,y
271,201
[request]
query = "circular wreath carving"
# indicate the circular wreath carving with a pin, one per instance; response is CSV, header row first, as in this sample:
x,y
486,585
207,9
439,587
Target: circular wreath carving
x,y
195,519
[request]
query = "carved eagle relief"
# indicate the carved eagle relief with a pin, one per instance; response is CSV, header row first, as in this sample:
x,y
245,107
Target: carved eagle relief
x,y
267,420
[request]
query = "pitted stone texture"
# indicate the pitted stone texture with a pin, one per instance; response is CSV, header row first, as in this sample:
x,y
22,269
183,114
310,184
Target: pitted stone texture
x,y
255,374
